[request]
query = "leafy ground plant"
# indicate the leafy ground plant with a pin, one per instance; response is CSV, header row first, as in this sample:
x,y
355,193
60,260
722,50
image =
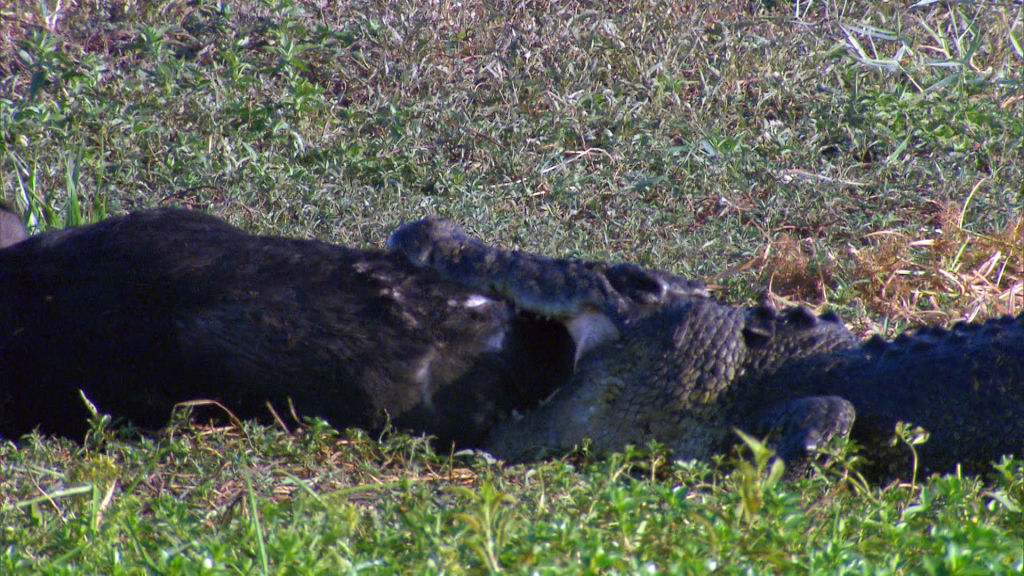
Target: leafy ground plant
x,y
860,156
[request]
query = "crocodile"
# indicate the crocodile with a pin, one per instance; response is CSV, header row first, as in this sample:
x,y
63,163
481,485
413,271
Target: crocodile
x,y
687,371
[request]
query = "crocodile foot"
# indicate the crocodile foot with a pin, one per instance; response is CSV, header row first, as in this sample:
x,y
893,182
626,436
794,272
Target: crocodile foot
x,y
802,426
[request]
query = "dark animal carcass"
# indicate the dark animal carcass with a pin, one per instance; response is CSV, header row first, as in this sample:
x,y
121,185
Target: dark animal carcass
x,y
144,311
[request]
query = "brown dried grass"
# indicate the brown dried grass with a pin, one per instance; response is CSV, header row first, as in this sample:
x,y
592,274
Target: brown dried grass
x,y
951,274
946,274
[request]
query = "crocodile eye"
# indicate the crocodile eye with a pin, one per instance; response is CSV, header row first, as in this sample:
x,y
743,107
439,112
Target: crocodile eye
x,y
755,336
635,283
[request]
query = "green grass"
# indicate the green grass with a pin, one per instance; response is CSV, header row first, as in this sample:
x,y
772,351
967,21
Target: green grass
x,y
262,501
862,156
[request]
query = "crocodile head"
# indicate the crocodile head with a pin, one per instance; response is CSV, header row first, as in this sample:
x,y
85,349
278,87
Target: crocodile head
x,y
550,287
657,381
655,358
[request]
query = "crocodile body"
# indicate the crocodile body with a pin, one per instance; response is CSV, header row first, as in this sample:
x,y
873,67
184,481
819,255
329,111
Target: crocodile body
x,y
964,385
685,371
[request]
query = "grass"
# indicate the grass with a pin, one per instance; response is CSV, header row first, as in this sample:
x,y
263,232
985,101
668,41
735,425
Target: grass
x,y
257,500
863,157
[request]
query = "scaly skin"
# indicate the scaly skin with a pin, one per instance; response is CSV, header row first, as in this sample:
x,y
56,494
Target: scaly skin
x,y
672,376
685,371
550,287
965,386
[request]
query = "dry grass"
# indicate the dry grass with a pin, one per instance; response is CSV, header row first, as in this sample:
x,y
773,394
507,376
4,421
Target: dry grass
x,y
948,274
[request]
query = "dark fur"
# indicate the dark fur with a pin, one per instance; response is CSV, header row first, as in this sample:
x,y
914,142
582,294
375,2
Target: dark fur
x,y
151,309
